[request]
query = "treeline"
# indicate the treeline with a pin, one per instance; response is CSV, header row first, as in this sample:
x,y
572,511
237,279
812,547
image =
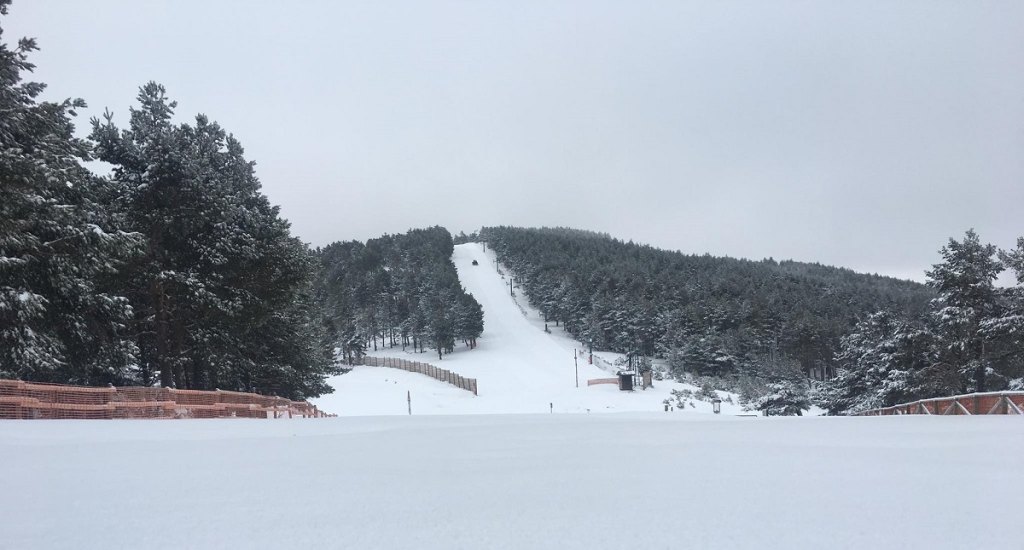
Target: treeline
x,y
175,270
397,290
762,327
709,316
970,339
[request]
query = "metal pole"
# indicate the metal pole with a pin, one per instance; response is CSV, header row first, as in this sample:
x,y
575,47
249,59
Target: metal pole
x,y
575,361
408,398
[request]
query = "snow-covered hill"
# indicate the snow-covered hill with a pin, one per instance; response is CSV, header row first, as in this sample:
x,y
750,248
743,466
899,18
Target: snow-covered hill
x,y
519,367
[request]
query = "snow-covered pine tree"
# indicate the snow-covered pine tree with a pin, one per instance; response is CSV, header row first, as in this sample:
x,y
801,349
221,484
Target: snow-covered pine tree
x,y
59,320
884,361
783,398
440,323
1006,329
965,281
289,347
220,296
469,319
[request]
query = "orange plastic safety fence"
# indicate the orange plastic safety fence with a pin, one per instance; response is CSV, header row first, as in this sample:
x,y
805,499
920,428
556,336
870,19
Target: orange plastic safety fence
x,y
30,400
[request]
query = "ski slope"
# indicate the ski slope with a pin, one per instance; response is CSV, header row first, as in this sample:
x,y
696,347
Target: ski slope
x,y
519,368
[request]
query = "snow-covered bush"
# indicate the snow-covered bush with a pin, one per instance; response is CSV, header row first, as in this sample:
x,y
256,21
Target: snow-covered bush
x,y
784,398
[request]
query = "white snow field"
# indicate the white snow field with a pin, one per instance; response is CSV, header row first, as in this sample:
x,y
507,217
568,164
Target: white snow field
x,y
452,477
519,368
610,481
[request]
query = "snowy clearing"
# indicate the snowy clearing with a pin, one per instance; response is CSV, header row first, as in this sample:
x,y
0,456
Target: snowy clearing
x,y
636,480
519,367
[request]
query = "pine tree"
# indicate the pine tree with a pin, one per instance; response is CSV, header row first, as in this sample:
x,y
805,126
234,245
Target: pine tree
x,y
469,319
884,361
1014,261
59,319
783,398
1005,330
222,293
967,299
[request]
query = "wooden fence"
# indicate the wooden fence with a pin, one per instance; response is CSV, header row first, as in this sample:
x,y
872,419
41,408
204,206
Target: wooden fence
x,y
29,400
1006,402
468,384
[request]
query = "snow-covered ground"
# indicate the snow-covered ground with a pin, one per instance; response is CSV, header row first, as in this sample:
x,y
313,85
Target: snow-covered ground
x,y
632,480
450,477
519,368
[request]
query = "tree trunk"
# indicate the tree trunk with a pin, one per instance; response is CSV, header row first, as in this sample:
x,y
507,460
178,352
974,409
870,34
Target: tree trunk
x,y
162,351
979,377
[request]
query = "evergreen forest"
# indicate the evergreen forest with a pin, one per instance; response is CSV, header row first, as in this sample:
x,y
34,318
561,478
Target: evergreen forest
x,y
397,290
771,329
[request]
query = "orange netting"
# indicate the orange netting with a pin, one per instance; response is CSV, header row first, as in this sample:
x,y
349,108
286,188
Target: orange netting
x,y
26,400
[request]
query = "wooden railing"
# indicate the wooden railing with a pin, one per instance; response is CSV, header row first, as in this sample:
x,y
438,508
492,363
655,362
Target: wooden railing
x,y
1005,402
437,373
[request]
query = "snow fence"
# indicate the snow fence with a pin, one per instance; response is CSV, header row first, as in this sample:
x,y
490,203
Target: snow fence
x,y
437,373
32,400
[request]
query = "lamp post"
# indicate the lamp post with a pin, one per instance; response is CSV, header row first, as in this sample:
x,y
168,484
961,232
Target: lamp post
x,y
716,405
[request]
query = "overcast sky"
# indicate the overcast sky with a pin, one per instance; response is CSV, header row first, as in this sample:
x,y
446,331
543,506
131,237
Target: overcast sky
x,y
862,134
